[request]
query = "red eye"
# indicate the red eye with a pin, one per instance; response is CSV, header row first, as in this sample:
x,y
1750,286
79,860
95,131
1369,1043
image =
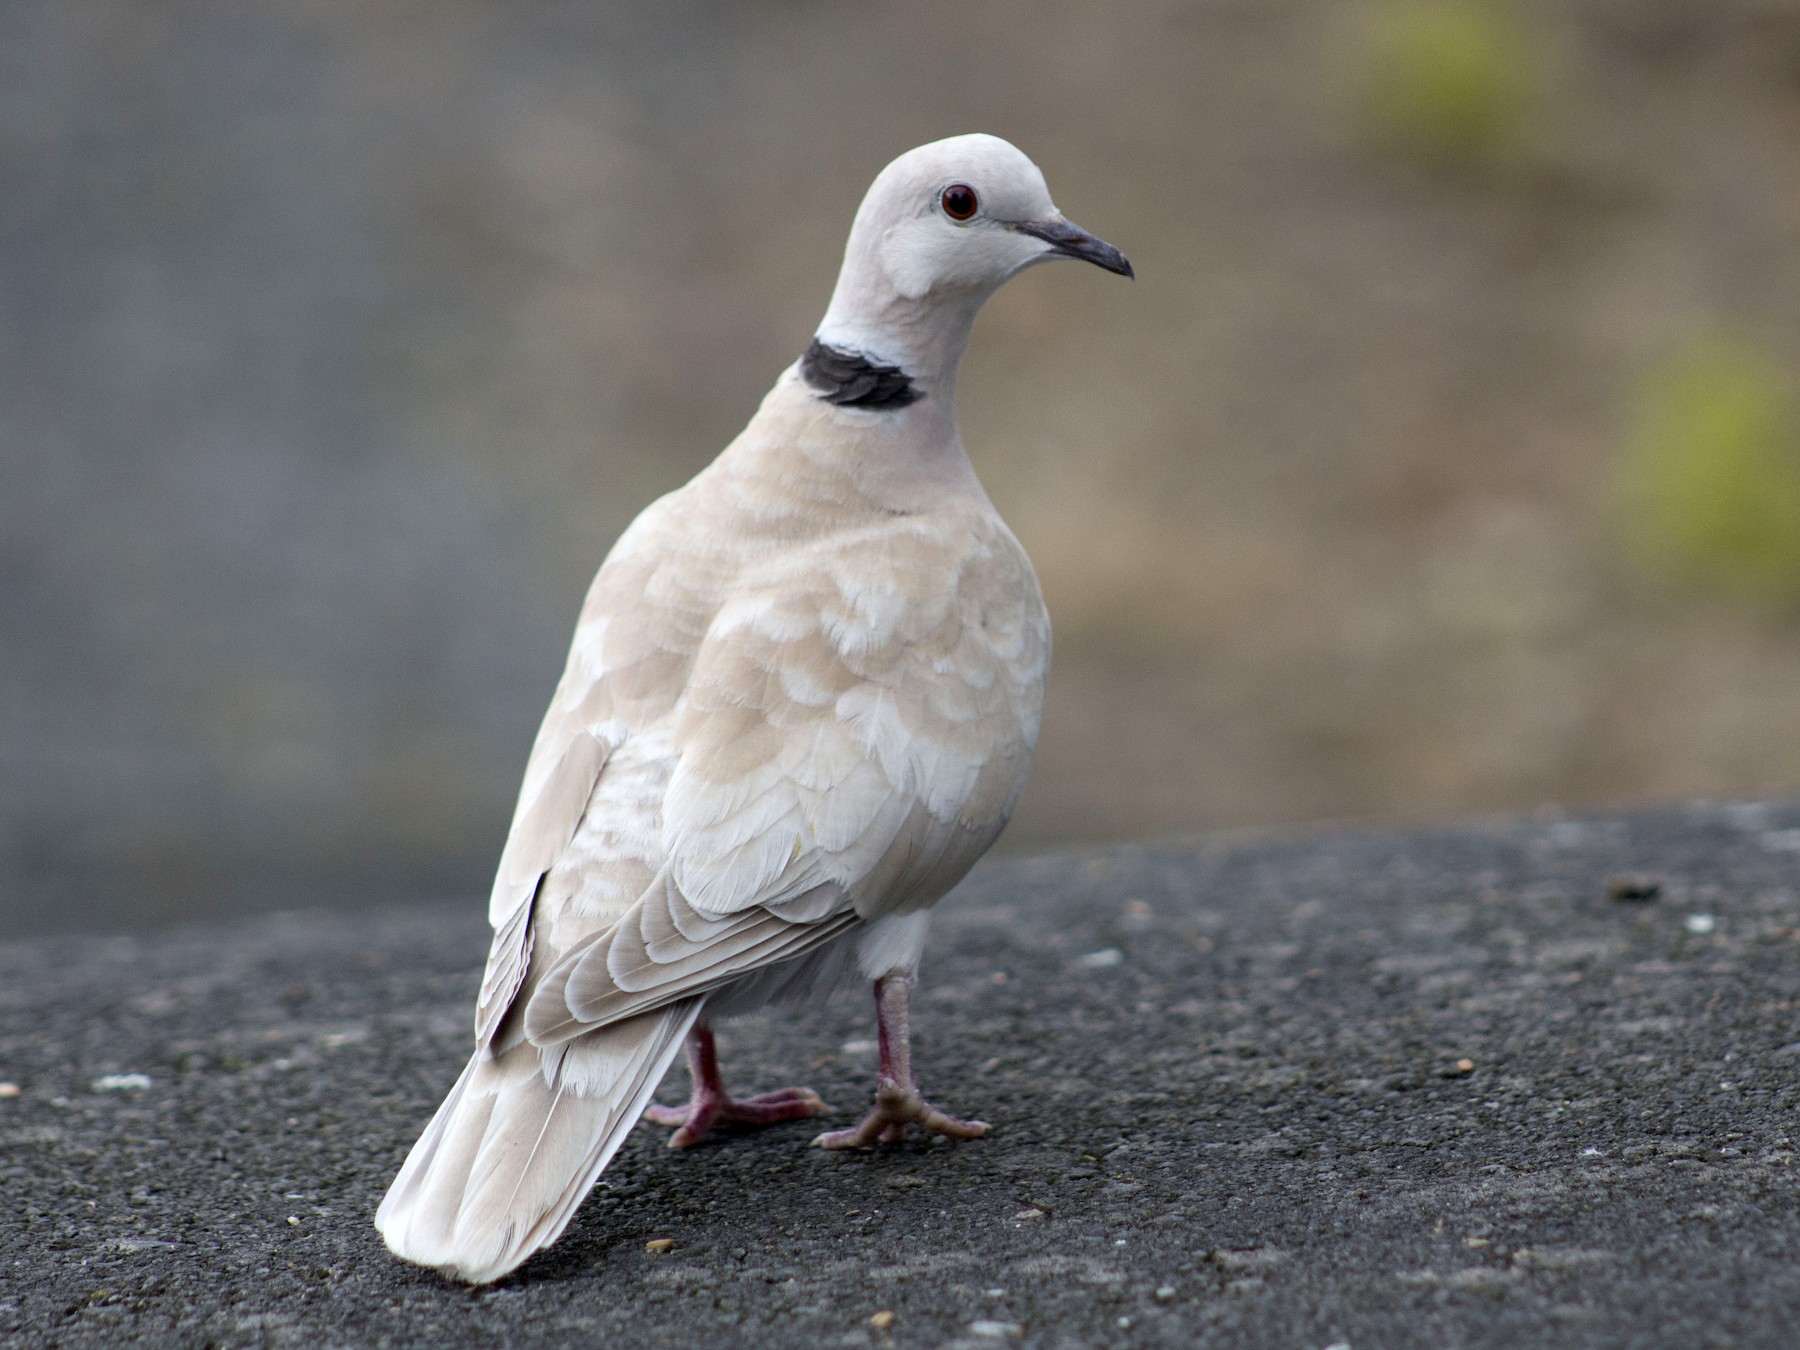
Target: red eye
x,y
960,201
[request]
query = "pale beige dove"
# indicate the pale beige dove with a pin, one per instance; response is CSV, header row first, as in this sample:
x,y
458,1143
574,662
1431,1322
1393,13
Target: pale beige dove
x,y
801,700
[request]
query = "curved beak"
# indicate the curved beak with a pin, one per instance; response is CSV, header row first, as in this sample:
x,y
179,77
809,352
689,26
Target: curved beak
x,y
1070,240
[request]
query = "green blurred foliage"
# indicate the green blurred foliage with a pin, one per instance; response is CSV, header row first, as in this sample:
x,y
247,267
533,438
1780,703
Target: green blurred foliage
x,y
1710,474
1449,83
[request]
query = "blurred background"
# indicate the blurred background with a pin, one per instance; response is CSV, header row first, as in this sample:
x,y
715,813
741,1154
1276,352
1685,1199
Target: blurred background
x,y
1444,459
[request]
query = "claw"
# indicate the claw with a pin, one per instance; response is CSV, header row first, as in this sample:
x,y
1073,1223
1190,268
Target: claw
x,y
896,1108
712,1105
698,1118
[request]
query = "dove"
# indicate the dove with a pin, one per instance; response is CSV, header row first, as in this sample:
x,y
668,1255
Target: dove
x,y
800,702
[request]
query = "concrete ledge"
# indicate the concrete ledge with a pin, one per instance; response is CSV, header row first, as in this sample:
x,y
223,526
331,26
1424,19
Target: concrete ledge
x,y
1468,1088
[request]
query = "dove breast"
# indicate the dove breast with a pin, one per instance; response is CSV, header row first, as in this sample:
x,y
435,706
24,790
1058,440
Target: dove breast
x,y
891,671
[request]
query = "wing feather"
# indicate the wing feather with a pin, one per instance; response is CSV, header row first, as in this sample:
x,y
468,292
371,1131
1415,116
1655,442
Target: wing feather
x,y
847,742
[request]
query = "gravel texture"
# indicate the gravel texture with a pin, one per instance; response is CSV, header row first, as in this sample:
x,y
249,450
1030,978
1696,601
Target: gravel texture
x,y
1519,1084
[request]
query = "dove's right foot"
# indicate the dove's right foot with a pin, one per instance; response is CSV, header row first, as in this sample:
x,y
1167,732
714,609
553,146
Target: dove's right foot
x,y
896,1108
712,1105
898,1102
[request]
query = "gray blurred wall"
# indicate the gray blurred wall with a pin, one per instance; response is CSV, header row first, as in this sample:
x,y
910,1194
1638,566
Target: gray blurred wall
x,y
337,342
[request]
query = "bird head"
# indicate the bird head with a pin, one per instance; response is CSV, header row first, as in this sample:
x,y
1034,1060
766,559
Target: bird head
x,y
967,213
942,228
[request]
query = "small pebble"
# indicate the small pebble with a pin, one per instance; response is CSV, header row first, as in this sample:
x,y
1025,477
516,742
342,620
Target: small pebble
x,y
1633,886
1700,923
1102,960
293,1220
659,1246
882,1320
1476,1243
9,1089
996,1330
1164,1293
122,1082
1461,1069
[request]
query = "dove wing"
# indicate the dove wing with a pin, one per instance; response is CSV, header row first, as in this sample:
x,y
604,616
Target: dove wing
x,y
586,822
854,732
565,765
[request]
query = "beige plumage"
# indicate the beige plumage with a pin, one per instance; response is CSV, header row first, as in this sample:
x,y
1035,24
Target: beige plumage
x,y
800,703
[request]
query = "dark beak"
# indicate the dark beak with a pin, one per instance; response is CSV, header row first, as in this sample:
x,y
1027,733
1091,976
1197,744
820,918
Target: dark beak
x,y
1072,241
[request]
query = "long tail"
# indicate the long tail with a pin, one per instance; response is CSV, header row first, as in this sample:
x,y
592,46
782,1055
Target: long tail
x,y
514,1149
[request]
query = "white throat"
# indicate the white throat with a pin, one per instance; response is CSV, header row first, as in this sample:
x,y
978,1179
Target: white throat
x,y
925,336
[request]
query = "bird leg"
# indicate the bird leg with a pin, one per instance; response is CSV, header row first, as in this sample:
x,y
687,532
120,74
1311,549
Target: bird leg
x,y
712,1105
897,1100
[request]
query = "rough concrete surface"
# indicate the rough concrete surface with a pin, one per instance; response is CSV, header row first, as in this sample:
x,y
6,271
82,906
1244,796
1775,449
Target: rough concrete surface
x,y
1457,1088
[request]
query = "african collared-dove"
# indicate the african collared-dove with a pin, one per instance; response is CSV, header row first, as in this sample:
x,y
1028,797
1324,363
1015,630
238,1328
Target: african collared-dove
x,y
800,703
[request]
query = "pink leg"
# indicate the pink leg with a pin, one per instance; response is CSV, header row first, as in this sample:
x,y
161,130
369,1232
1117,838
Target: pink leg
x,y
897,1100
712,1105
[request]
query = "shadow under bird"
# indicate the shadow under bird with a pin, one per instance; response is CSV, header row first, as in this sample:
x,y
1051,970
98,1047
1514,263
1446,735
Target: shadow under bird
x,y
800,703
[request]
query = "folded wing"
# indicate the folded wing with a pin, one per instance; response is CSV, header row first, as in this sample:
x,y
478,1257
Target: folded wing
x,y
853,735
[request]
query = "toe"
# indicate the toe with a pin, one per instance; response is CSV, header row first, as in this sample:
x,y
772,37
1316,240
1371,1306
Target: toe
x,y
857,1136
939,1123
796,1097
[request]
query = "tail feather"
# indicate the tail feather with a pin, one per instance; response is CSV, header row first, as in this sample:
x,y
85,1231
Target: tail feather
x,y
519,1142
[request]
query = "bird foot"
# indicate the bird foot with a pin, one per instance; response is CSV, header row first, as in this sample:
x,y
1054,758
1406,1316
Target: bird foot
x,y
896,1108
708,1109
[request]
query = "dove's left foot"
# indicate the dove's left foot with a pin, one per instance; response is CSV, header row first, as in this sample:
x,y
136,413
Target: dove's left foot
x,y
897,1099
713,1105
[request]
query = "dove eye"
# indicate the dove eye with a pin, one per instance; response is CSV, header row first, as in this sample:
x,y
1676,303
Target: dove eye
x,y
960,201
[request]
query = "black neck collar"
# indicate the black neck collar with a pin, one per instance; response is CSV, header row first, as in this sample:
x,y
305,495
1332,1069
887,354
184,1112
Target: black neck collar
x,y
851,380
